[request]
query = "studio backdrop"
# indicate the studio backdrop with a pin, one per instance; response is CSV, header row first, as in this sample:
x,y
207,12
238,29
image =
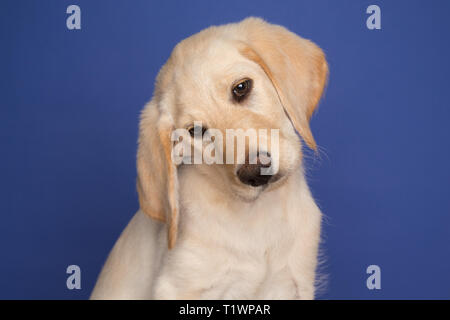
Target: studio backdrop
x,y
71,92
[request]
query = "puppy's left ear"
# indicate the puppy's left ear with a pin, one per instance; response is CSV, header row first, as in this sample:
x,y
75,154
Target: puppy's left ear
x,y
296,67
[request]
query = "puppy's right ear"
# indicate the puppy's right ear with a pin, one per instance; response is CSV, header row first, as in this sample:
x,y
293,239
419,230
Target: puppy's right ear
x,y
157,181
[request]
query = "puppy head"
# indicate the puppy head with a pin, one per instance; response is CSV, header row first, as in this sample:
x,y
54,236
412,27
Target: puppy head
x,y
246,76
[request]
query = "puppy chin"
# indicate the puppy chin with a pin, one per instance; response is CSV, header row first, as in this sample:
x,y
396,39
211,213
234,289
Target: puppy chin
x,y
247,193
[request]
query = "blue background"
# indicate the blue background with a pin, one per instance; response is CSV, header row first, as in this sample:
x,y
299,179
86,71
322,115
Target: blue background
x,y
70,102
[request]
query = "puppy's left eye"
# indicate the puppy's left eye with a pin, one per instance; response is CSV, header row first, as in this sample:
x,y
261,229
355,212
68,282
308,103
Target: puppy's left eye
x,y
242,89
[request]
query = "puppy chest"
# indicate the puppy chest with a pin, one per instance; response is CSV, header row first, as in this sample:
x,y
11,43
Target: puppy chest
x,y
226,274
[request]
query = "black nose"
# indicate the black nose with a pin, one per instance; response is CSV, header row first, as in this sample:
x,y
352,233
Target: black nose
x,y
250,174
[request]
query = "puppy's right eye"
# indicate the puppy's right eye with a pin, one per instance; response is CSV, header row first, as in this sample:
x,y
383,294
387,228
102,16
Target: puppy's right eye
x,y
194,129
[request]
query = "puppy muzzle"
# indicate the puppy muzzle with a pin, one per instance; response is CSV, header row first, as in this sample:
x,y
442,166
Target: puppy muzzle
x,y
255,174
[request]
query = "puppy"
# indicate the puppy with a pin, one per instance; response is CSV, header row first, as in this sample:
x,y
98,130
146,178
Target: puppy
x,y
225,231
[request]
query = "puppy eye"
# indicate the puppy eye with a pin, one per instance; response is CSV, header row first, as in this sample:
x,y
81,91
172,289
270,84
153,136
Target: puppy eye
x,y
194,129
242,89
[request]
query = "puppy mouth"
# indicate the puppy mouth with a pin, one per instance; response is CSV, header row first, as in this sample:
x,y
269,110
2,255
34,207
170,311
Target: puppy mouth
x,y
255,184
275,178
248,197
250,193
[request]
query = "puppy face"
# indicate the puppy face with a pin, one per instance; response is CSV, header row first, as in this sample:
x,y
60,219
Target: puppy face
x,y
219,88
251,76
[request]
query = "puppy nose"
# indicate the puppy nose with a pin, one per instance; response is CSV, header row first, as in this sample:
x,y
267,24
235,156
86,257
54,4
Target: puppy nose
x,y
250,174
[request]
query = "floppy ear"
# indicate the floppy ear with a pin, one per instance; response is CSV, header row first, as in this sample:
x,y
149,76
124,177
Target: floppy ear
x,y
296,67
157,182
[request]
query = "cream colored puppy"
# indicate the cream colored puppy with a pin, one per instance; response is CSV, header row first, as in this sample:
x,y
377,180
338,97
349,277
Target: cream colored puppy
x,y
224,231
